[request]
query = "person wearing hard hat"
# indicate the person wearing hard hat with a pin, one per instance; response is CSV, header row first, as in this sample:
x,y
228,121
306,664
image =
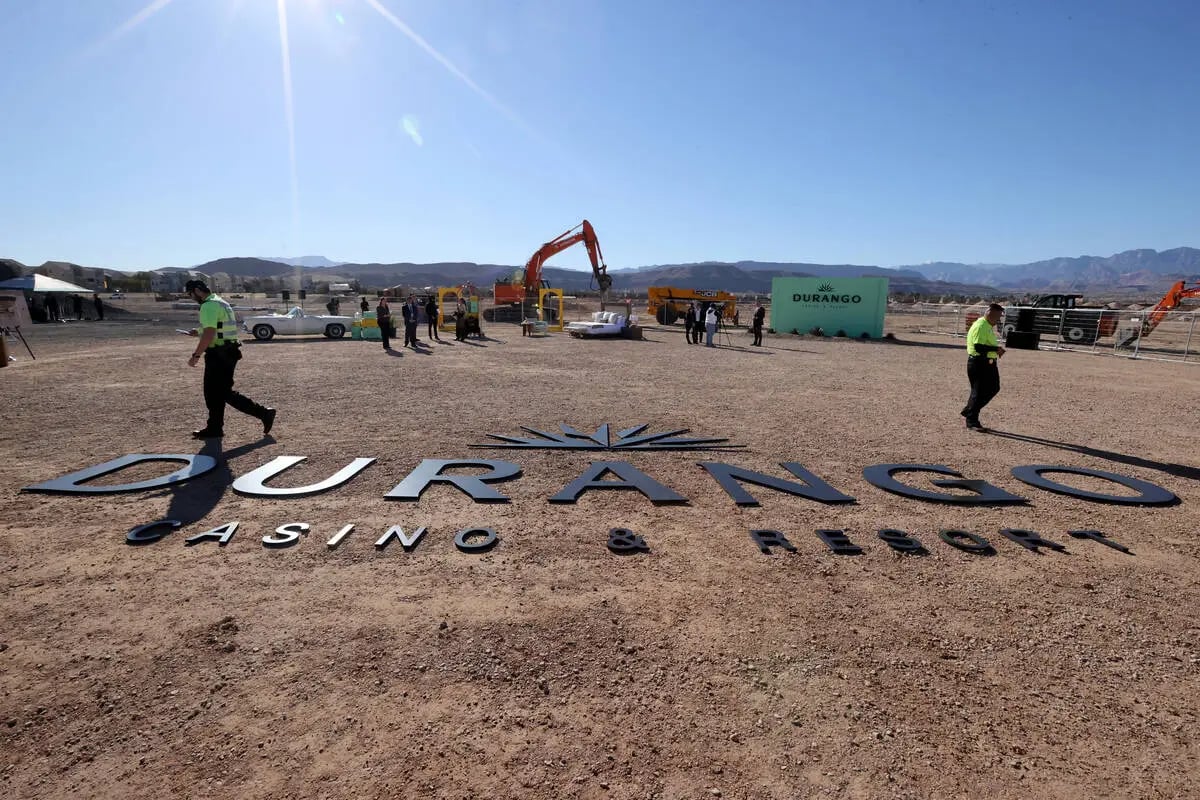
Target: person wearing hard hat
x,y
220,349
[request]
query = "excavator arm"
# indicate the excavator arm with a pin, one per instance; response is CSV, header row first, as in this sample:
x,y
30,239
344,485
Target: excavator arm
x,y
1171,301
580,233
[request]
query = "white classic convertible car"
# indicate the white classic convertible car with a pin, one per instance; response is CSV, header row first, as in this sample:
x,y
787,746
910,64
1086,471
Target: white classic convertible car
x,y
297,321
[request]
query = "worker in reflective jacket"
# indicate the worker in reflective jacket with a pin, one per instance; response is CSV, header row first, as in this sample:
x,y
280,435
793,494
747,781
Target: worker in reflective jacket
x,y
983,351
220,349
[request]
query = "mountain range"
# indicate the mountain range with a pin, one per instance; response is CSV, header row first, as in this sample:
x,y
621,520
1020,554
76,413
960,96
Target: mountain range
x,y
1132,271
1131,268
305,261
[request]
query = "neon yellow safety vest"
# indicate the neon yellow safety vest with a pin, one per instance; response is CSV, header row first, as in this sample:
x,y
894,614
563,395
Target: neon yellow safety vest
x,y
981,332
216,313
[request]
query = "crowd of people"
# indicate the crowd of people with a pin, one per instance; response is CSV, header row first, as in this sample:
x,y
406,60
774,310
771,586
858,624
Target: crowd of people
x,y
69,307
465,323
704,320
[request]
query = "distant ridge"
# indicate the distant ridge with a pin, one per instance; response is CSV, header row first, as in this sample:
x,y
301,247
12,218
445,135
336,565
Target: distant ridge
x,y
1144,271
1128,268
305,261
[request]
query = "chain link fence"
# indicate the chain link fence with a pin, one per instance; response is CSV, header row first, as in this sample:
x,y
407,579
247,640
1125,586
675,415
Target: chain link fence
x,y
1128,333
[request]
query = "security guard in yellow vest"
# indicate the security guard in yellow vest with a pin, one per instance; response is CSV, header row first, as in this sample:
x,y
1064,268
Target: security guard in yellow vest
x,y
221,351
983,351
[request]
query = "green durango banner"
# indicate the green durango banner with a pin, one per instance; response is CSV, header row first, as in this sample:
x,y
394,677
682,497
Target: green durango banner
x,y
853,305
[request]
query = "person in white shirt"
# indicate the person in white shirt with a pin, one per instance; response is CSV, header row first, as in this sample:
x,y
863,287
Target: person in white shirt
x,y
710,325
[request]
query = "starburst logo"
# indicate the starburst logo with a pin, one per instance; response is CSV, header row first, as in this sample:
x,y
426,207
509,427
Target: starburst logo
x,y
604,439
825,287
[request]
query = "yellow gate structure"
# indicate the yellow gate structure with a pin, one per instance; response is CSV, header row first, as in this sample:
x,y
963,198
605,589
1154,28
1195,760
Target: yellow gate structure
x,y
557,323
451,295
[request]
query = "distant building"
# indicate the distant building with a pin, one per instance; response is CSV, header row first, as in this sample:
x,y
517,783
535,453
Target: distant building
x,y
171,279
93,278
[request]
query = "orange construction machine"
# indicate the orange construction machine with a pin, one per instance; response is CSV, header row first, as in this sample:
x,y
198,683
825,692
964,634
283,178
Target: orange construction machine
x,y
524,287
1171,301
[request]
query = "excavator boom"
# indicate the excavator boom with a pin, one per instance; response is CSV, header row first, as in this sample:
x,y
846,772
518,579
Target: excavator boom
x,y
582,232
1171,301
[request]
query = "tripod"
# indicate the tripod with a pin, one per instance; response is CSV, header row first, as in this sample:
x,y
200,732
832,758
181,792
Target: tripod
x,y
722,328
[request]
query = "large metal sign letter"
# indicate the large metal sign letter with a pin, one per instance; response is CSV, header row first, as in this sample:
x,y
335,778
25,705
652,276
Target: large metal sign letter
x,y
220,535
254,483
430,471
901,542
967,542
148,533
1148,493
985,493
466,541
196,465
1097,536
766,539
408,543
630,478
813,487
1030,540
285,535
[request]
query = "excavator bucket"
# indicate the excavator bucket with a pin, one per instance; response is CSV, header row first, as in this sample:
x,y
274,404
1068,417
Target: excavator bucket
x,y
1128,337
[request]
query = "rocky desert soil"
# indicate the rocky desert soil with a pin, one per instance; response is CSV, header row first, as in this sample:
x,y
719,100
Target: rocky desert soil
x,y
551,666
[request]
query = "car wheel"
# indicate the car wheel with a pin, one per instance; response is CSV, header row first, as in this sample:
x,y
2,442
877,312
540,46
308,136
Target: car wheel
x,y
335,331
263,332
1076,335
1009,328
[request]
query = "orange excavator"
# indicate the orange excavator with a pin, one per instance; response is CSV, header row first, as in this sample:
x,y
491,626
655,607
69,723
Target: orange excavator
x,y
1171,301
524,287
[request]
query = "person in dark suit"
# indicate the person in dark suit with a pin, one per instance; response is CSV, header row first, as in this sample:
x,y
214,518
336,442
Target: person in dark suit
x,y
411,312
383,315
760,315
689,322
431,313
698,328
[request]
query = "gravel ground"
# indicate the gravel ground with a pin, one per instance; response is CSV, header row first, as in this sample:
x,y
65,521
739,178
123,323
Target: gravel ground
x,y
549,666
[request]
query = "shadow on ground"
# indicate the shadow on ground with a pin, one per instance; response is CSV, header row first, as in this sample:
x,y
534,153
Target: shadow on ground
x,y
192,501
1178,470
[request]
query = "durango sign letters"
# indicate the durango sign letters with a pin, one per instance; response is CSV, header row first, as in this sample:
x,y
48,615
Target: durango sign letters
x,y
791,477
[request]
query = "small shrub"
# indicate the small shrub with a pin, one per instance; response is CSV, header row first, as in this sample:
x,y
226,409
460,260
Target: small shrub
x,y
816,331
840,334
795,332
891,337
864,336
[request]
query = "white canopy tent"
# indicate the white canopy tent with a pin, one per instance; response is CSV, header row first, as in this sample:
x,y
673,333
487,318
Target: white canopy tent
x,y
42,283
38,283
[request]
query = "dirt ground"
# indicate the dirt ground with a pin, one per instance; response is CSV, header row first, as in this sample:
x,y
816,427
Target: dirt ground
x,y
551,667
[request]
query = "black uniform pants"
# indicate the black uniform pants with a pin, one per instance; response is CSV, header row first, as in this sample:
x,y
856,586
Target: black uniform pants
x,y
757,335
432,333
984,376
410,332
219,364
385,331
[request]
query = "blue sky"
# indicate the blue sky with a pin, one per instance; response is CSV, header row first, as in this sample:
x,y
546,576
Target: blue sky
x,y
141,134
